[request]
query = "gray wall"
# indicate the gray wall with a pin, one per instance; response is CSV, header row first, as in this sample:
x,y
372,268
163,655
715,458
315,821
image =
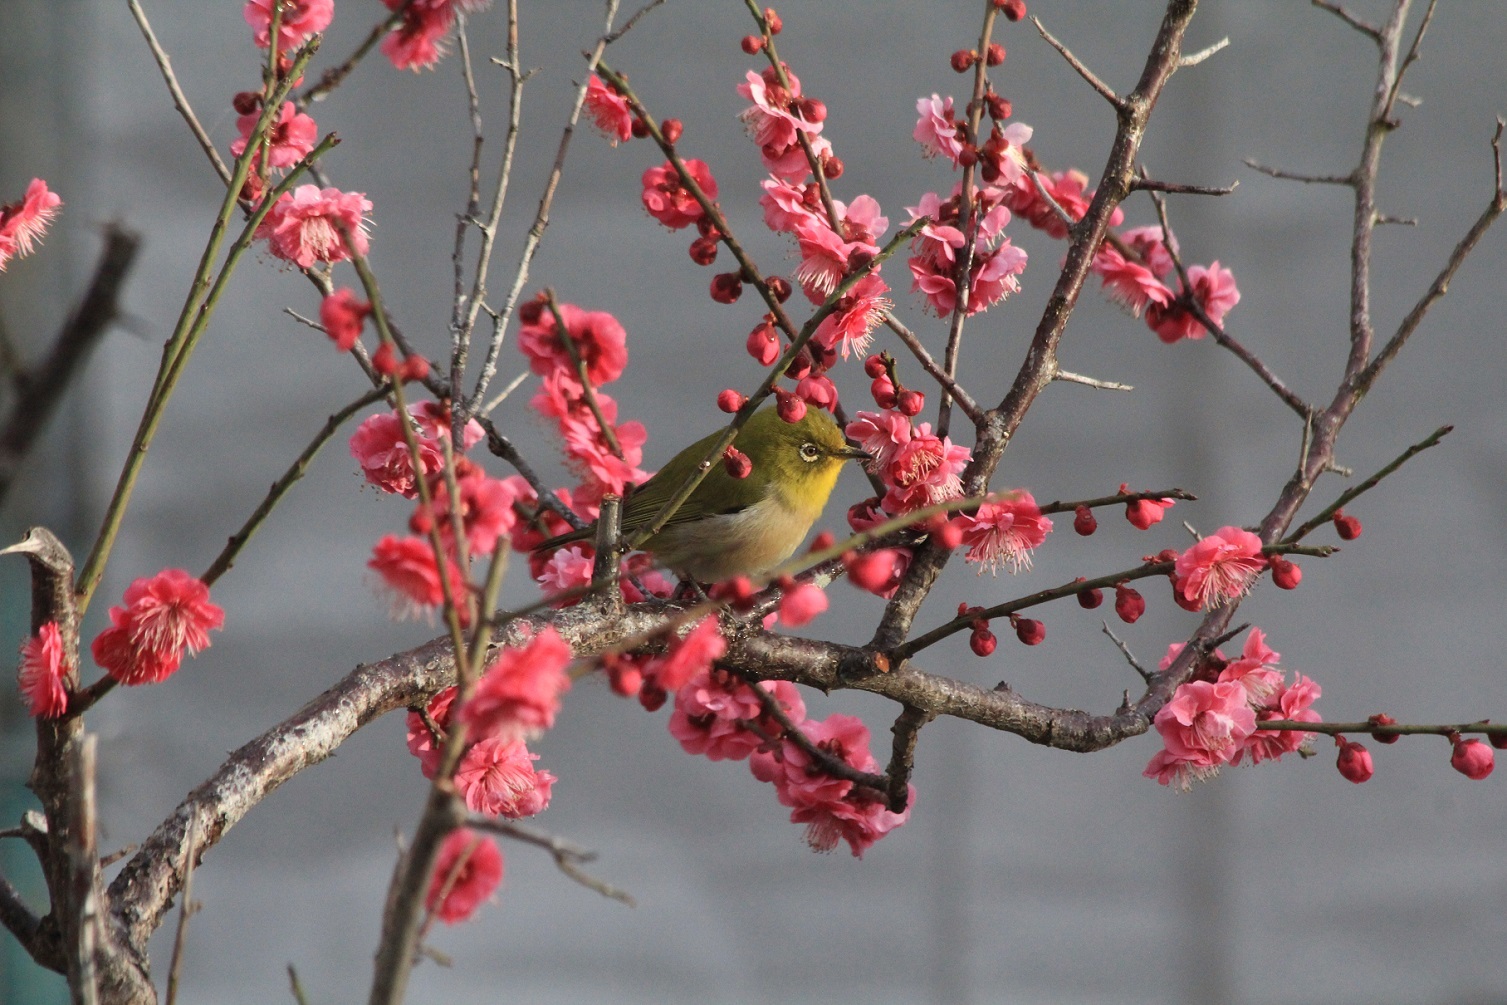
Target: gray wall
x,y
1026,874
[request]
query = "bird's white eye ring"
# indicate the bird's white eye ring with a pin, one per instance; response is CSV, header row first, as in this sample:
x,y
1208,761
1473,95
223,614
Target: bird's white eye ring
x,y
810,452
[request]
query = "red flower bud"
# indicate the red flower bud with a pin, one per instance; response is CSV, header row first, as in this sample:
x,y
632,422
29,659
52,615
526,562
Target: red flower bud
x,y
800,366
995,54
736,462
999,108
764,345
727,287
873,571
780,287
1355,762
772,20
1084,521
652,697
883,392
1348,526
626,679
385,360
1498,740
874,366
944,532
1014,10
1092,598
909,402
735,592
730,401
982,641
1384,720
413,368
812,109
246,102
823,541
968,156
704,250
832,167
671,129
963,60
1285,574
790,407
1129,604
532,311
752,44
1473,759
1030,631
640,128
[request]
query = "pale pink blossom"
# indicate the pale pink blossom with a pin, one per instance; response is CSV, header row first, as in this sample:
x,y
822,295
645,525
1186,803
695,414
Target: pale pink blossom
x,y
304,226
937,128
519,692
1255,670
772,120
567,569
1005,532
1202,727
467,871
164,616
923,471
880,434
1129,283
850,325
1220,567
788,206
496,777
687,657
25,221
300,19
291,136
714,711
42,671
609,111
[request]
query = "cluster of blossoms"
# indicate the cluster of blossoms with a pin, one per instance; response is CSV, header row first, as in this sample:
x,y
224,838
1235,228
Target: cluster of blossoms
x,y
1138,272
483,508
24,222
164,616
1215,718
515,700
721,716
416,41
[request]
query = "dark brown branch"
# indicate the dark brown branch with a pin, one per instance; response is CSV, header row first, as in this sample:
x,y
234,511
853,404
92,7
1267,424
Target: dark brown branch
x,y
1307,179
1178,188
43,388
906,730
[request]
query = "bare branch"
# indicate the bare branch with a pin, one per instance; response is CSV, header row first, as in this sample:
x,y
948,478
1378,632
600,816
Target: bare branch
x,y
1327,513
1135,665
1105,91
1365,28
1307,179
1202,54
568,856
180,100
1078,378
1151,185
950,385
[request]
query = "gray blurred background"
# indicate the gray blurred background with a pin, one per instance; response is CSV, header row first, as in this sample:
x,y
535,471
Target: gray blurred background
x,y
1025,875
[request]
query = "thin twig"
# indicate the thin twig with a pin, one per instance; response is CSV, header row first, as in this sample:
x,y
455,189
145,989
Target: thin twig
x,y
1327,513
186,910
297,988
1202,54
1365,28
335,75
1078,378
1105,91
1308,179
1178,188
1135,664
180,100
568,856
965,401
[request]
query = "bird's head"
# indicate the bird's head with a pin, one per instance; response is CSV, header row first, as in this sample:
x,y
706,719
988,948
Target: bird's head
x,y
802,459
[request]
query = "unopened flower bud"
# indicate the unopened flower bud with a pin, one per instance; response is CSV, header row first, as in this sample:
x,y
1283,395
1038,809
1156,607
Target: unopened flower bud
x,y
772,20
812,109
704,250
883,392
780,287
1030,631
727,287
832,167
873,571
751,44
385,360
800,366
730,400
963,60
413,368
671,130
652,697
1473,759
764,345
995,54
874,366
982,642
1381,719
1498,740
944,533
626,679
246,102
791,407
1348,526
823,541
818,391
735,592
1129,604
736,462
1014,10
1355,762
1091,598
968,156
1084,521
999,107
910,402
640,128
532,311
1285,574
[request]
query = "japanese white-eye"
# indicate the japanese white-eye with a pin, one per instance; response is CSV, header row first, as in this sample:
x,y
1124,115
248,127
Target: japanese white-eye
x,y
730,526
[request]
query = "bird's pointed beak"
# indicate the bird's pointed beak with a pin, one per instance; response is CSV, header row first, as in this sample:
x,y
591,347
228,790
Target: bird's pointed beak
x,y
854,453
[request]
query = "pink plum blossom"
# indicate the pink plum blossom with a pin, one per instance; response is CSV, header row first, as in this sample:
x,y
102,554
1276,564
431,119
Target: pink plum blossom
x,y
1202,727
304,226
1218,568
496,777
609,111
714,711
300,19
1005,531
467,872
164,616
24,222
290,137
667,199
42,671
519,692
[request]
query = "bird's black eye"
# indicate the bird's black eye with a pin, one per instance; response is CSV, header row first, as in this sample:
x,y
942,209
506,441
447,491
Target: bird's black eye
x,y
810,452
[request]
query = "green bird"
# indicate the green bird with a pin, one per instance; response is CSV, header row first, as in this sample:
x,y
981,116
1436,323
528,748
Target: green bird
x,y
740,526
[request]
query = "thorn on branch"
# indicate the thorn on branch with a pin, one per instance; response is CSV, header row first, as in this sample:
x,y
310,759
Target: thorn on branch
x,y
1307,179
1135,665
1078,378
1151,185
1202,54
